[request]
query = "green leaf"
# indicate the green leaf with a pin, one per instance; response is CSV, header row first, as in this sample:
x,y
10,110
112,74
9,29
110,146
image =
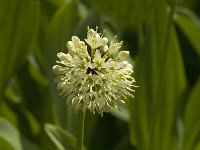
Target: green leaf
x,y
189,23
123,114
27,144
9,135
18,28
189,3
191,119
128,13
198,146
59,31
123,144
8,113
161,79
34,109
33,123
61,138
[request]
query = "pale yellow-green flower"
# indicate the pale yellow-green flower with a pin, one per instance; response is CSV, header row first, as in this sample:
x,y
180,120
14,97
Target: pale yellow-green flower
x,y
94,75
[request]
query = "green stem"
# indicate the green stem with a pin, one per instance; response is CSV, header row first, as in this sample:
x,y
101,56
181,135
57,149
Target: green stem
x,y
92,53
80,134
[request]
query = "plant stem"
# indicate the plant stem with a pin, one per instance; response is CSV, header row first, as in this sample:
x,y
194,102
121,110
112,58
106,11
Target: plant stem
x,y
80,134
92,53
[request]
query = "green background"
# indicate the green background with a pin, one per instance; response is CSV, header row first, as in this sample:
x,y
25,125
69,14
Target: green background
x,y
163,37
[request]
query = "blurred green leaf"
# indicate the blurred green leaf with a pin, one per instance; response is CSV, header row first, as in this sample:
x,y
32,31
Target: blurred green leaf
x,y
36,106
10,135
28,145
35,71
123,144
161,79
58,2
62,139
33,123
4,145
128,13
121,114
18,28
198,146
8,113
189,23
188,3
59,32
191,119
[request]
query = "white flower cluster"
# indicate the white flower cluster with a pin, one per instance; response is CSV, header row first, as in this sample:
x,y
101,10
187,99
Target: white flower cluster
x,y
95,76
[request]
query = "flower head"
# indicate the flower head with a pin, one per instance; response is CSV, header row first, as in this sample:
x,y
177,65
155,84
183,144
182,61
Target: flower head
x,y
93,75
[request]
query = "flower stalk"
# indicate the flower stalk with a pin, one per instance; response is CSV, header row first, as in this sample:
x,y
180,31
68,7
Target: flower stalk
x,y
92,53
80,133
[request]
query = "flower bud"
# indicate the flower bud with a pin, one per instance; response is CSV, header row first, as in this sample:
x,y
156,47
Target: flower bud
x,y
104,41
122,55
57,69
64,57
114,48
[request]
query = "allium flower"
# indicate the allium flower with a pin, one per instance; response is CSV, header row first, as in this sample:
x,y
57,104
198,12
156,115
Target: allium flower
x,y
94,75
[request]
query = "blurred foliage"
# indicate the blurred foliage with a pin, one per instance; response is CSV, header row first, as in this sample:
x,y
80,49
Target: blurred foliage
x,y
163,39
